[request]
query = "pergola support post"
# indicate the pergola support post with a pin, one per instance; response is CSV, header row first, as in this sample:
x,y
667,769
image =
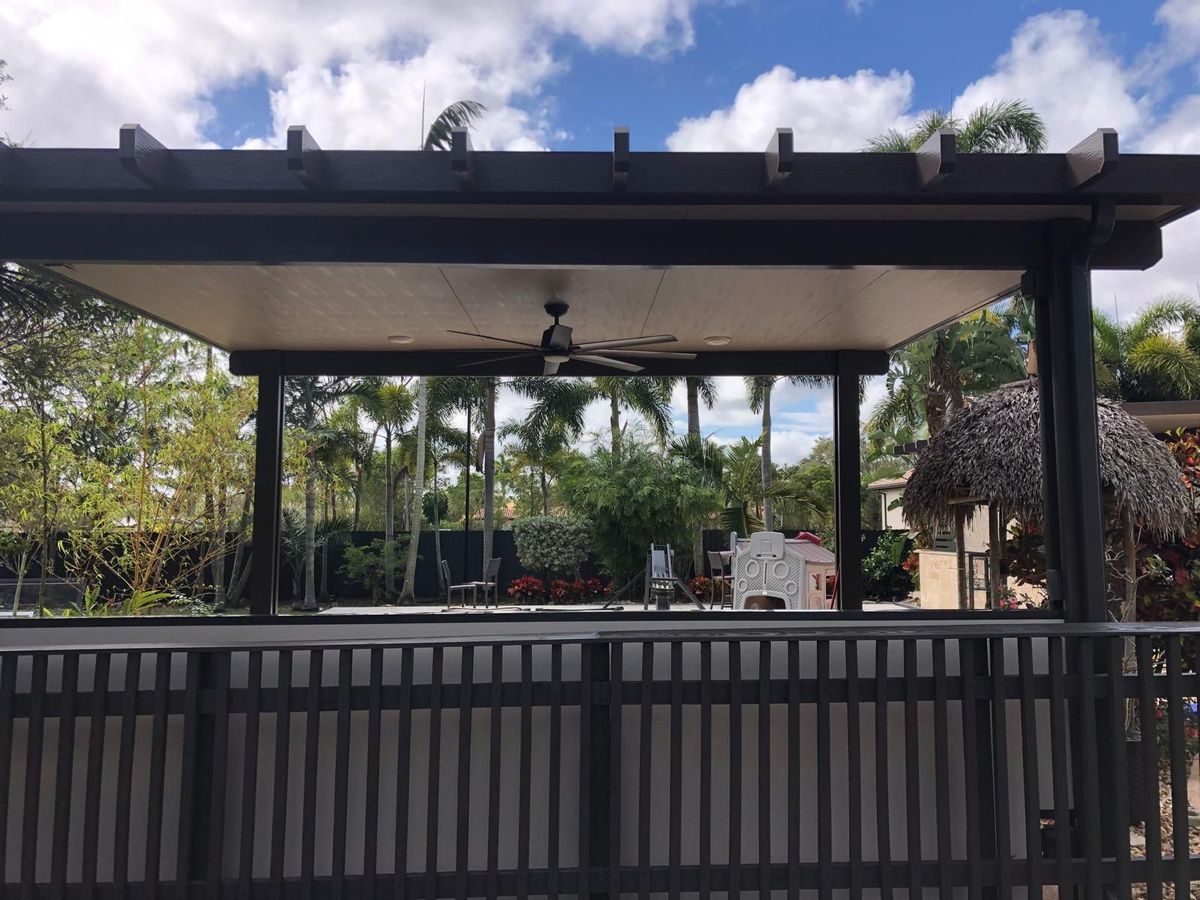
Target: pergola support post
x,y
1071,380
848,481
268,474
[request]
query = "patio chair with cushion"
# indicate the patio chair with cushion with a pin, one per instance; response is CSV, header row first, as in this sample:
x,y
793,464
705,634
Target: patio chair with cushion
x,y
472,586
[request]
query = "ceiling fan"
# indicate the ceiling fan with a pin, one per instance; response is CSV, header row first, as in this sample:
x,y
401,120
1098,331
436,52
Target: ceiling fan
x,y
557,348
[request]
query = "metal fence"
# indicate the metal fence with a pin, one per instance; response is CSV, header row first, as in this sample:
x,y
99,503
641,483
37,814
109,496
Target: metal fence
x,y
867,759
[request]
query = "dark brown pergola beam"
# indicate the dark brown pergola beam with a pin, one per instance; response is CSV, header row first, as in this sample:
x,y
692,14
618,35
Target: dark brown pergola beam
x,y
620,158
937,157
451,362
1094,157
264,239
411,176
781,157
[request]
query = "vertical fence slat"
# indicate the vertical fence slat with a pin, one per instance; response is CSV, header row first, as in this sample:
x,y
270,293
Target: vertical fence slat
x,y
282,766
525,786
1089,782
403,755
794,797
160,711
341,772
854,764
735,768
463,796
1063,823
824,771
764,770
495,721
1147,712
1119,795
1030,761
553,815
675,827
645,736
883,826
8,678
1179,767
433,800
706,751
966,670
1000,770
615,715
371,801
97,730
133,669
220,759
586,700
941,767
912,768
187,771
249,800
64,777
312,749
30,809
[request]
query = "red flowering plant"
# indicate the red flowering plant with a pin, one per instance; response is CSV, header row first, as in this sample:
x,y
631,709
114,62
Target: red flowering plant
x,y
702,586
526,589
594,589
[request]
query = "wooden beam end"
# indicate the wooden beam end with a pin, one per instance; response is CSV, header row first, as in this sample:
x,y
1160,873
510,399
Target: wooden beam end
x,y
937,157
461,162
620,171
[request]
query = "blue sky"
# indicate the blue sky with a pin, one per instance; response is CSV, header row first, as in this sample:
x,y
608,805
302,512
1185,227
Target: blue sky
x,y
559,74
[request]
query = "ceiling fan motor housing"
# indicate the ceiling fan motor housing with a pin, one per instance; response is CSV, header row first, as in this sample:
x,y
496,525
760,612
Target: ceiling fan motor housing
x,y
556,337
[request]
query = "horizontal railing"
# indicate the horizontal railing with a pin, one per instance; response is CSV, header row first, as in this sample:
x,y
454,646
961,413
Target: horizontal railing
x,y
863,759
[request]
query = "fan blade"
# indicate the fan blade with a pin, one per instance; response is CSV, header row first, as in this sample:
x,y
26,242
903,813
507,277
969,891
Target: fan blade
x,y
646,354
605,361
496,359
488,337
627,342
550,368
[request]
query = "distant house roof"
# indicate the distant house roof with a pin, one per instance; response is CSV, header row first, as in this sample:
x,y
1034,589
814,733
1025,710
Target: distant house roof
x,y
885,484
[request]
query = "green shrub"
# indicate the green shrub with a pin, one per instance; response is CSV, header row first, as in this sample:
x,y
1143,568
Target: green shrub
x,y
884,574
365,565
555,544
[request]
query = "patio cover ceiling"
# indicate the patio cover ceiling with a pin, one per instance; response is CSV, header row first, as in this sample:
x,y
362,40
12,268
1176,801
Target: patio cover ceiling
x,y
794,256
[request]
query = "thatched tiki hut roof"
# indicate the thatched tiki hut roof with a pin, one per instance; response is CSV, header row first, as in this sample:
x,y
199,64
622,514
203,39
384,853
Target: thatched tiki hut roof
x,y
991,452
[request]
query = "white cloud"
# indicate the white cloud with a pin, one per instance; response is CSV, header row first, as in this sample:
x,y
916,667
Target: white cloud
x,y
83,67
1063,66
833,113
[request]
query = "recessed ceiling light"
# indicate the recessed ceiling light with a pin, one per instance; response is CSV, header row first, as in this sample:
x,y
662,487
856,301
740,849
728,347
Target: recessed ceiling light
x,y
400,338
718,340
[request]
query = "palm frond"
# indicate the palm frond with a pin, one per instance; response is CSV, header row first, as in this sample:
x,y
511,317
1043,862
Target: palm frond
x,y
456,115
1006,126
1166,360
891,141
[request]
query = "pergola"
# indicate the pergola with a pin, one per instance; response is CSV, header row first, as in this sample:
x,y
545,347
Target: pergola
x,y
304,261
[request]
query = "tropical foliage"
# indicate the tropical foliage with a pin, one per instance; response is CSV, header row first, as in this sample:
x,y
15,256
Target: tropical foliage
x,y
1154,356
554,544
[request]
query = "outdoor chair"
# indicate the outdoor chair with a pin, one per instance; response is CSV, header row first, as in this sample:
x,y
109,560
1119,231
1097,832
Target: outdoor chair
x,y
489,584
472,586
721,576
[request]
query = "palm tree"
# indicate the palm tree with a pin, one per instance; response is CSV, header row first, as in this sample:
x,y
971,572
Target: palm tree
x,y
410,573
389,406
699,388
929,379
308,399
535,445
1006,126
760,388
564,400
1155,356
456,115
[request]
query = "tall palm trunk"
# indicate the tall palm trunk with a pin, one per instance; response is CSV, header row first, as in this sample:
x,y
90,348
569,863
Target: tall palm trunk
x,y
310,538
410,572
389,519
489,470
693,406
545,492
768,510
614,422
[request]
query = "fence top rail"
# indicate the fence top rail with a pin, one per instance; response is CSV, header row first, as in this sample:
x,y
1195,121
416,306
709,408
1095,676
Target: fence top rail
x,y
807,632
